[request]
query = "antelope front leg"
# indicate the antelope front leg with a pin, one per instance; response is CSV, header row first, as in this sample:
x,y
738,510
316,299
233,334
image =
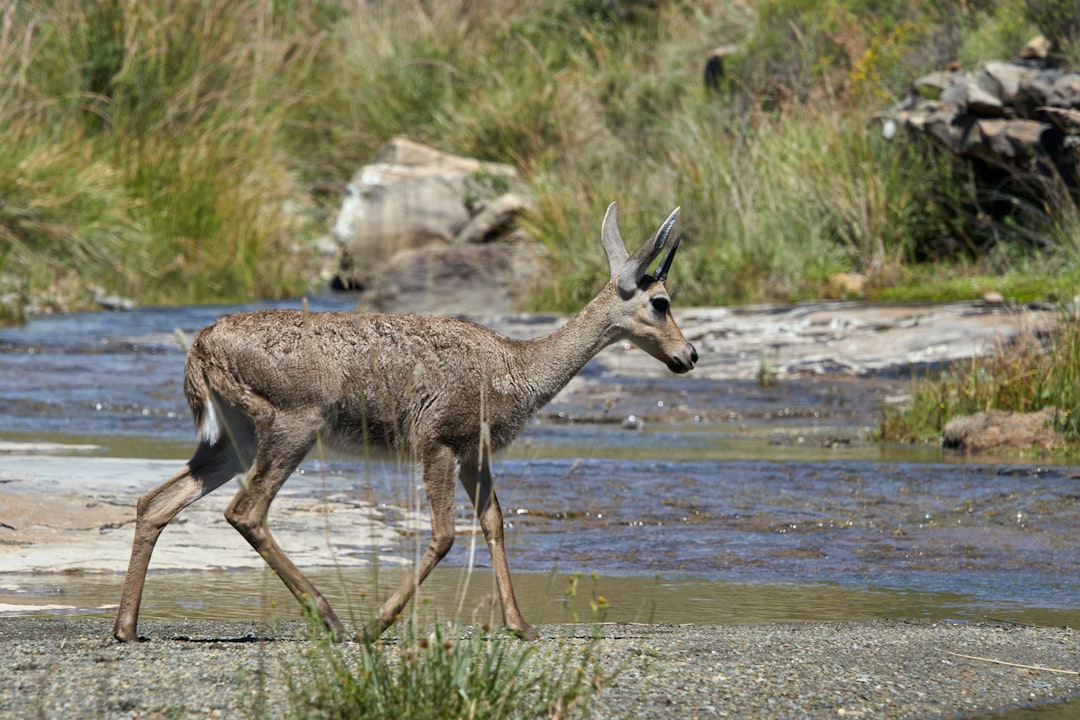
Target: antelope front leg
x,y
480,486
439,470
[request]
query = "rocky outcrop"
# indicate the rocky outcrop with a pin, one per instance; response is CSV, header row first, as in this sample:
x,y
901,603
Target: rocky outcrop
x,y
998,430
424,231
1003,111
1017,118
823,339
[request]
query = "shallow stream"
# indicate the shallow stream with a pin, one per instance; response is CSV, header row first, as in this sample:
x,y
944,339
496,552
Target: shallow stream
x,y
728,503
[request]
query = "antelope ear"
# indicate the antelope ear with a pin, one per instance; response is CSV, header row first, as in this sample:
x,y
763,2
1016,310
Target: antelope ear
x,y
611,239
634,270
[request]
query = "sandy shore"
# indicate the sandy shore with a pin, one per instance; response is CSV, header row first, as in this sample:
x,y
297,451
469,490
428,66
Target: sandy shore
x,y
60,668
61,514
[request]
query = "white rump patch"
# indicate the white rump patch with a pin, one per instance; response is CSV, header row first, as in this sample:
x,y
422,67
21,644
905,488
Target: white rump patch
x,y
210,431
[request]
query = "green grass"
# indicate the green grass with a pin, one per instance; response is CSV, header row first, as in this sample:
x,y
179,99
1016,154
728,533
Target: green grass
x,y
424,669
432,673
948,284
181,152
141,153
1028,375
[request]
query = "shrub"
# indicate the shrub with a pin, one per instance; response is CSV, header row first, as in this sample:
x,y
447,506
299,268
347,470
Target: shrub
x,y
427,676
1030,374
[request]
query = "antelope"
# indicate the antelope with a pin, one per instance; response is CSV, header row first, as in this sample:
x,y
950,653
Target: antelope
x,y
265,386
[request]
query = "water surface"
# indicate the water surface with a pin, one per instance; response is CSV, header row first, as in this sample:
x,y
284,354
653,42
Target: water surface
x,y
732,503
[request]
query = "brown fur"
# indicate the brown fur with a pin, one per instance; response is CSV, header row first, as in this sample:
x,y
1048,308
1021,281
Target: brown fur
x,y
264,386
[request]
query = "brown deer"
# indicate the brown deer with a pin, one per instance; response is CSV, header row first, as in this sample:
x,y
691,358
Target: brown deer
x,y
263,386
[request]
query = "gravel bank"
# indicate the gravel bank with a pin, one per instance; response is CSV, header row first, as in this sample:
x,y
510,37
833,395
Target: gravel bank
x,y
59,668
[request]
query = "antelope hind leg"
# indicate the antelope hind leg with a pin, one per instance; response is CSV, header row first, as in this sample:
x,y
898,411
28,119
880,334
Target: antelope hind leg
x,y
209,468
247,513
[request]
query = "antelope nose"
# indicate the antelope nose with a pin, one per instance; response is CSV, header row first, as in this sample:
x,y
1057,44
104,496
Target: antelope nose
x,y
693,353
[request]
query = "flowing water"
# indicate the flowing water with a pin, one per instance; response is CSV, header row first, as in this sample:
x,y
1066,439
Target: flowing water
x,y
730,503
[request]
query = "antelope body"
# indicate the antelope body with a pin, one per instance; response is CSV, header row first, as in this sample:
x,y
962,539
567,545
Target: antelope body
x,y
264,386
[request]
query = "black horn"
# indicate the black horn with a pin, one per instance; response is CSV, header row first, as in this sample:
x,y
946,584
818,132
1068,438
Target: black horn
x,y
662,271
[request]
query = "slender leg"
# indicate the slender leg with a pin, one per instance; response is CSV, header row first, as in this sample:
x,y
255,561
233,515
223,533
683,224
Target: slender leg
x,y
275,460
208,469
439,467
481,488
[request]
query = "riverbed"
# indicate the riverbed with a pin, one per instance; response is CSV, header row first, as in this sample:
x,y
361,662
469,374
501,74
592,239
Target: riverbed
x,y
704,498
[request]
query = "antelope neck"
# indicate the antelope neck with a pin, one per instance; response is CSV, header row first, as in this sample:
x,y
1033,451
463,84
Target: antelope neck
x,y
552,361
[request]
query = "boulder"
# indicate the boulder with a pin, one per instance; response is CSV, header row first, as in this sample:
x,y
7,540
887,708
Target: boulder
x,y
422,231
465,279
414,196
1017,118
491,219
999,430
845,285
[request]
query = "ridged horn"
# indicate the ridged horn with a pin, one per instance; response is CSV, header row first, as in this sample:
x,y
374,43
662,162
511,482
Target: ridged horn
x,y
665,265
633,275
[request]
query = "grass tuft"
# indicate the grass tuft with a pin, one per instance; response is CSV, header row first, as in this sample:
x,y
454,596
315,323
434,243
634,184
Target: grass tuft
x,y
434,673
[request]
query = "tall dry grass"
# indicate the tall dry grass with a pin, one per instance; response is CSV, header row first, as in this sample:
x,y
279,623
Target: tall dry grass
x,y
181,152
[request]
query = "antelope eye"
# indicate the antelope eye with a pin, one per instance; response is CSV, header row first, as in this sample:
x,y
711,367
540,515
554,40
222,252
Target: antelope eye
x,y
660,305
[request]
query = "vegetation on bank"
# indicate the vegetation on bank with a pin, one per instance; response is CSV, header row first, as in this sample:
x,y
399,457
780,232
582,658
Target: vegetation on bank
x,y
1031,374
189,152
424,669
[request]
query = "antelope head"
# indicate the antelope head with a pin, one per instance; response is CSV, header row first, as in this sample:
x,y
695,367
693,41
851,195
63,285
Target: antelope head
x,y
644,313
